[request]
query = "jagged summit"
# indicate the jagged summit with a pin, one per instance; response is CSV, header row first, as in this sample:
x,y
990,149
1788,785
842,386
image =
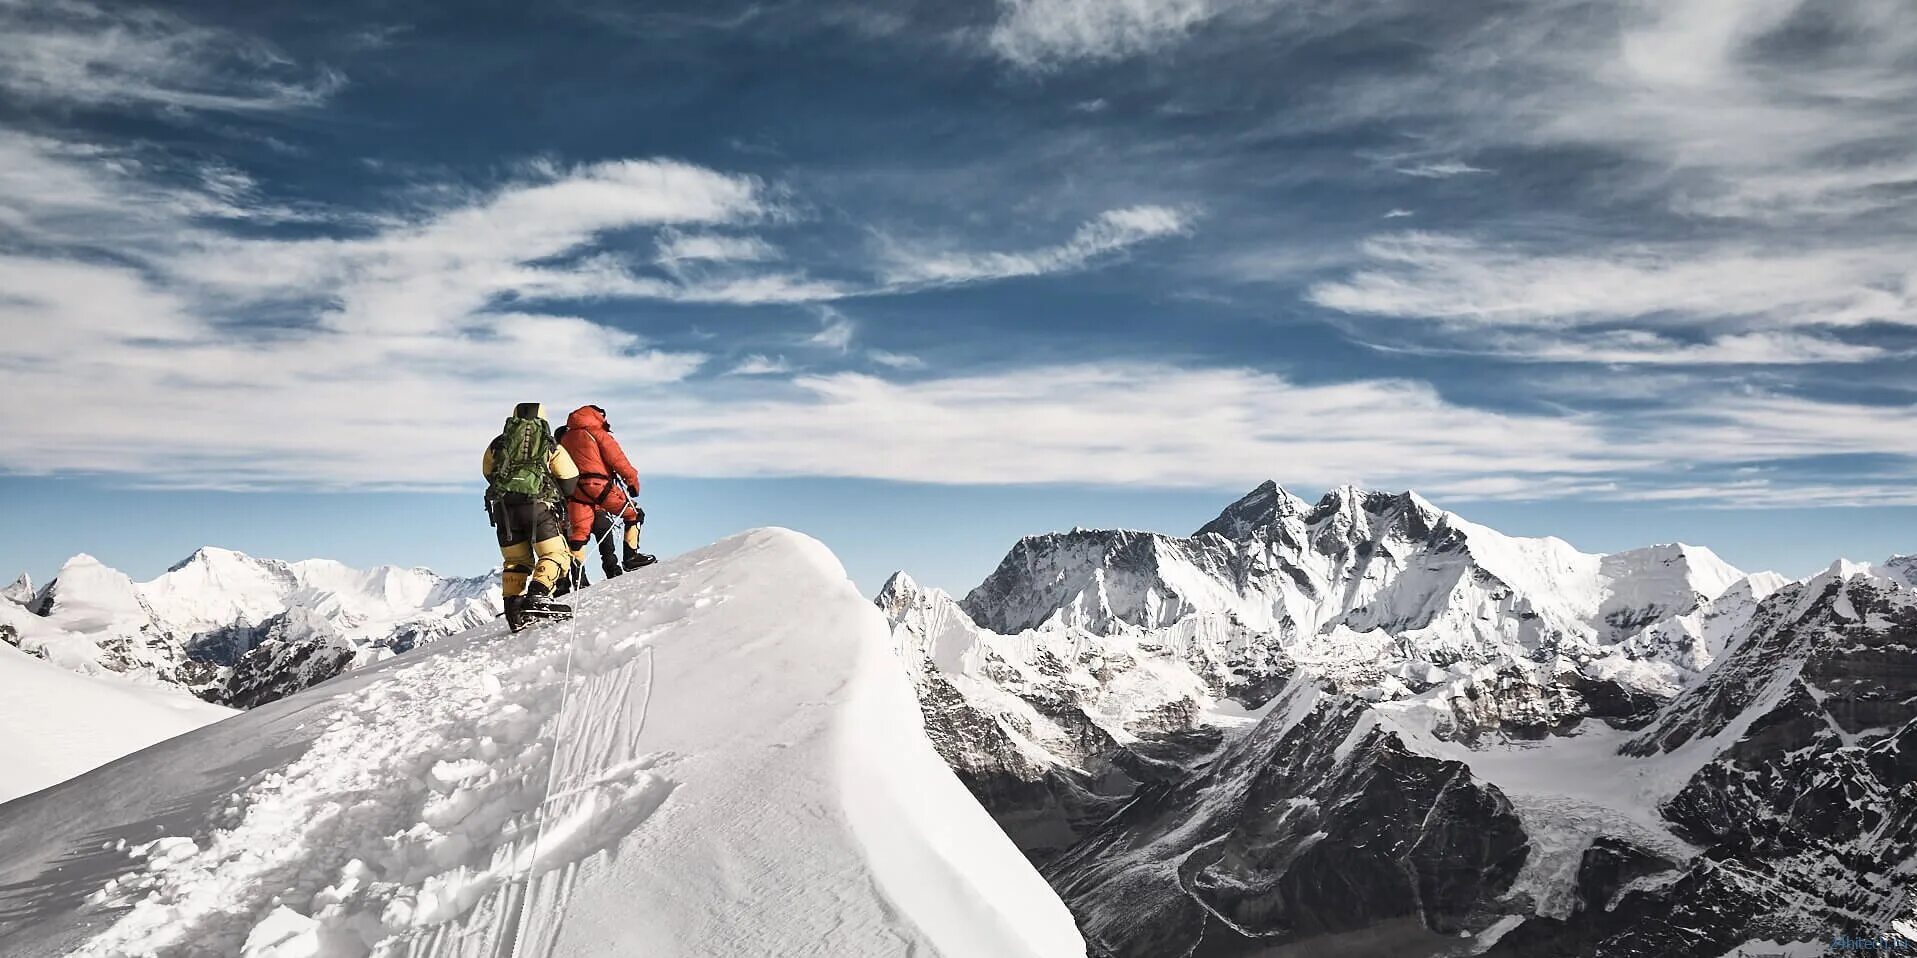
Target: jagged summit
x,y
1260,507
20,592
1347,509
1363,582
900,583
1253,723
900,592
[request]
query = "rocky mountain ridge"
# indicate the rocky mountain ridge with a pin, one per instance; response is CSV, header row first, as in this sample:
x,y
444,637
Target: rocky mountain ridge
x,y
234,629
1368,724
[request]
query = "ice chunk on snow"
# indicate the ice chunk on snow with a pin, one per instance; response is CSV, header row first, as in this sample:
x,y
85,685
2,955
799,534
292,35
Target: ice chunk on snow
x,y
284,933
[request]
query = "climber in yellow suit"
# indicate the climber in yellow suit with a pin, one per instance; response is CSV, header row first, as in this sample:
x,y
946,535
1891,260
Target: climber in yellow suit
x,y
527,476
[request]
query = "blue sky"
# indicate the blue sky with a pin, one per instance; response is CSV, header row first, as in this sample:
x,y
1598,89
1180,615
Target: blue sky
x,y
922,278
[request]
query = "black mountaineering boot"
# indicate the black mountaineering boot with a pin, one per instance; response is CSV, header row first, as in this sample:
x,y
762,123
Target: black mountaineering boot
x,y
639,560
538,604
515,612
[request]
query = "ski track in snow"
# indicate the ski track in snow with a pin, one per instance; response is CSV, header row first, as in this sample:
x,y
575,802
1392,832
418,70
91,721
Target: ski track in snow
x,y
412,825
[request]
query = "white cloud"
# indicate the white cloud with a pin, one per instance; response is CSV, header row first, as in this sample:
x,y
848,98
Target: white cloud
x,y
1758,427
1109,233
1397,214
758,365
1638,347
1455,279
1440,169
895,360
176,398
1122,424
1042,34
835,329
1773,110
71,51
1764,494
435,272
675,247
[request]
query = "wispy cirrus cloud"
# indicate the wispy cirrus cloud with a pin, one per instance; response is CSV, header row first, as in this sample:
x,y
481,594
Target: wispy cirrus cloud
x,y
676,247
77,52
1456,279
1440,169
1042,34
1640,347
836,329
1107,234
894,360
1753,110
759,365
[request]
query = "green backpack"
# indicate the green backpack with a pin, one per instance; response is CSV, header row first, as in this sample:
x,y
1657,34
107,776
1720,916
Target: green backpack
x,y
521,460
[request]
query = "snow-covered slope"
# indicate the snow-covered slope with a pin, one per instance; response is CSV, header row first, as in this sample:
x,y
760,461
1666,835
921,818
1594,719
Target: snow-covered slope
x,y
55,724
735,762
239,630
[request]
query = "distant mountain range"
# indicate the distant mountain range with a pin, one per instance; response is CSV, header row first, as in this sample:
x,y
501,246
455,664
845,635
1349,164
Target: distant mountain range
x,y
1358,726
233,629
1369,726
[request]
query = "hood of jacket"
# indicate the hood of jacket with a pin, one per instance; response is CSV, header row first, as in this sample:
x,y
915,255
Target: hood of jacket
x,y
587,417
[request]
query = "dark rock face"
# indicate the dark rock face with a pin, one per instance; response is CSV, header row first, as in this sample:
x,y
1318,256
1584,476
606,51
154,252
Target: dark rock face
x,y
1807,814
248,666
1292,833
277,669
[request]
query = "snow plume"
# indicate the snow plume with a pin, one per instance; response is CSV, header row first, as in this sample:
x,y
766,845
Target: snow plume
x,y
735,766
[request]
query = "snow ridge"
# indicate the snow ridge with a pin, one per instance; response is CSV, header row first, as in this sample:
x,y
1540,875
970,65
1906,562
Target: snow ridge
x,y
734,761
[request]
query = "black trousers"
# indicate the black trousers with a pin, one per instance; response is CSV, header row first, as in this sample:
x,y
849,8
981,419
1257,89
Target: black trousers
x,y
519,518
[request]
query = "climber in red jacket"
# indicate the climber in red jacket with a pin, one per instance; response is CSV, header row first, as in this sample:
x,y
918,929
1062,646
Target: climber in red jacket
x,y
607,483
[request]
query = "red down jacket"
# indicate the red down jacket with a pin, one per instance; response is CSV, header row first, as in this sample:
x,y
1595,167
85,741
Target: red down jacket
x,y
597,455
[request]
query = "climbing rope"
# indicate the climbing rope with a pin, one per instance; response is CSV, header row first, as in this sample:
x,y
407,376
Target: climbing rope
x,y
552,778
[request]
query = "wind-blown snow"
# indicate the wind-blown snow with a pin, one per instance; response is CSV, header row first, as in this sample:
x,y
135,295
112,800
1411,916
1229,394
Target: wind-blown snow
x,y
55,724
737,768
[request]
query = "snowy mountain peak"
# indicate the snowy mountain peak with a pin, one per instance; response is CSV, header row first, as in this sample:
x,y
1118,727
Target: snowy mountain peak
x,y
899,593
243,630
85,582
20,592
211,556
1258,508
